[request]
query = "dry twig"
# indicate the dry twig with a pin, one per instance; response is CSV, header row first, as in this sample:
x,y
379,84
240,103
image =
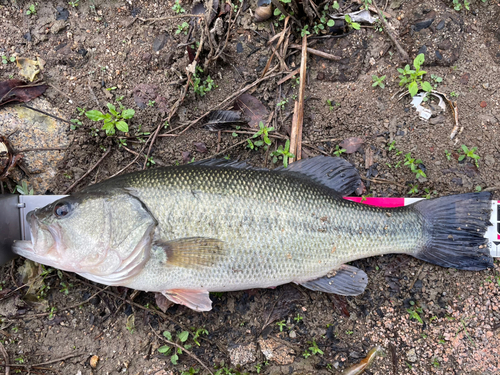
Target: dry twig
x,y
153,20
6,358
403,54
296,141
88,172
316,52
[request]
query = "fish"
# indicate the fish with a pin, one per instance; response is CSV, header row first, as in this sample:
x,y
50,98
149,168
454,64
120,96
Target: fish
x,y
217,226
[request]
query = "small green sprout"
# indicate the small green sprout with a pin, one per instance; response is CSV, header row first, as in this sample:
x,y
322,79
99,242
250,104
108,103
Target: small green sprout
x,y
448,155
330,104
31,10
453,94
6,60
378,81
298,318
429,193
349,332
115,119
65,287
199,87
281,324
130,324
52,311
436,79
314,348
478,188
182,28
350,23
151,103
282,103
282,154
74,3
338,151
178,8
413,311
470,153
304,31
457,4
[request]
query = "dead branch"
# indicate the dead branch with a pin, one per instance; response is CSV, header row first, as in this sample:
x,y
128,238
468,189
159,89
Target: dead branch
x,y
153,20
316,52
6,358
288,76
402,53
302,89
88,172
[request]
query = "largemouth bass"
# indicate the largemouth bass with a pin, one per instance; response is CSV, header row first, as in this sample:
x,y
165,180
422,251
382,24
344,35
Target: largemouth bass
x,y
220,226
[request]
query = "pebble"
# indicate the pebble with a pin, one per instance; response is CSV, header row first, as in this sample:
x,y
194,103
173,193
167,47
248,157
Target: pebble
x,y
411,355
440,25
242,354
292,334
486,85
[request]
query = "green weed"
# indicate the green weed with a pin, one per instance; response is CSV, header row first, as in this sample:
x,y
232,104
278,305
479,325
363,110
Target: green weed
x,y
178,8
470,153
113,120
378,81
338,151
23,189
350,23
413,79
282,153
413,164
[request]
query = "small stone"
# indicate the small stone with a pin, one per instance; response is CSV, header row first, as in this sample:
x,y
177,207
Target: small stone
x,y
320,76
445,45
411,356
440,25
292,334
160,42
241,355
483,104
93,361
276,351
486,85
422,49
239,47
58,26
465,79
438,55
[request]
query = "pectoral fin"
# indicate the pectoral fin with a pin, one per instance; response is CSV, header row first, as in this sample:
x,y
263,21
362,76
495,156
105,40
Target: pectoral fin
x,y
346,281
194,299
194,252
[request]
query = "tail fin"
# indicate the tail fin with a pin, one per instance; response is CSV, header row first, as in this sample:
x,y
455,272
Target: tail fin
x,y
455,228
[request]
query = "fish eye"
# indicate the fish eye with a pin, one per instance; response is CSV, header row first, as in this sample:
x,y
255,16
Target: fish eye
x,y
62,209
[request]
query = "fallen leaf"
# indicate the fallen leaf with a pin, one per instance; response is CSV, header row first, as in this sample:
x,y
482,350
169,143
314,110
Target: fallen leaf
x,y
163,302
143,93
251,108
200,147
351,145
483,104
217,120
17,91
465,79
29,68
186,156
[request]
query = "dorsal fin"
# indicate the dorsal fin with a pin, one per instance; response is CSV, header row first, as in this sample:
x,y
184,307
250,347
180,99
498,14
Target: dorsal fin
x,y
223,163
335,173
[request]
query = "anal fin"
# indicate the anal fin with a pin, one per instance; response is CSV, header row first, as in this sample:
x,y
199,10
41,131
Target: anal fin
x,y
346,281
194,299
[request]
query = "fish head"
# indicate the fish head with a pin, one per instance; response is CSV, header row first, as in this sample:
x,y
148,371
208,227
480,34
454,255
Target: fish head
x,y
105,237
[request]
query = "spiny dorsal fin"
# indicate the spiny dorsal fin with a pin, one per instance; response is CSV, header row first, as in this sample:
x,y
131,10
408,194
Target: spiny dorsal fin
x,y
193,252
223,163
335,173
346,281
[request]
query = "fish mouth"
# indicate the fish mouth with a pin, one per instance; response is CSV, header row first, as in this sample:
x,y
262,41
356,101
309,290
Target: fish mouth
x,y
43,246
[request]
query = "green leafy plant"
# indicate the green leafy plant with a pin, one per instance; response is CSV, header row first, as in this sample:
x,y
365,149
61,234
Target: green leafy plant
x,y
453,94
458,5
197,333
414,311
282,103
178,8
151,103
350,23
115,119
349,332
23,189
413,164
429,193
314,348
283,154
74,3
413,79
182,28
175,351
331,104
305,31
413,189
202,87
191,371
338,151
31,9
298,318
65,287
52,311
378,81
470,153
264,133
448,155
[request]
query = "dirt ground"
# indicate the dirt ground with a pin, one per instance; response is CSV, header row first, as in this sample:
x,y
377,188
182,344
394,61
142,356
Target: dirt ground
x,y
427,319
